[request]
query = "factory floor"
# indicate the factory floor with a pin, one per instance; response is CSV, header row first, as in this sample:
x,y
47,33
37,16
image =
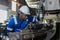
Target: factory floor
x,y
43,37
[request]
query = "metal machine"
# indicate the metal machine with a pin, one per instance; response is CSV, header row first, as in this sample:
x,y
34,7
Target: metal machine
x,y
40,30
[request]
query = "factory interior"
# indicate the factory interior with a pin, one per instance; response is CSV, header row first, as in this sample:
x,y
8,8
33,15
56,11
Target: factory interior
x,y
45,27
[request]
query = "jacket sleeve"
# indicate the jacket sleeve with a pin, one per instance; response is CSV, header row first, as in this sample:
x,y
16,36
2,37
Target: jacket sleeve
x,y
32,18
10,25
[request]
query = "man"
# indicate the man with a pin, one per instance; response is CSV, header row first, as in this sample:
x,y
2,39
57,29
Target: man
x,y
19,22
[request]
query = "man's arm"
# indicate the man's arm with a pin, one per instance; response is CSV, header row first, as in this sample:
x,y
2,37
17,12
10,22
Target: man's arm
x,y
33,18
10,25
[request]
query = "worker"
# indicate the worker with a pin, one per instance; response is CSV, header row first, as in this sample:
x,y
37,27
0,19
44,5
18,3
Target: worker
x,y
20,21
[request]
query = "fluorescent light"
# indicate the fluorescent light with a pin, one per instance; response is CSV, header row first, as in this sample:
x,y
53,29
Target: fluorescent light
x,y
13,6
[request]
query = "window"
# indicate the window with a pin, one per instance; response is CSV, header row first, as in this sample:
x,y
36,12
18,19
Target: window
x,y
3,16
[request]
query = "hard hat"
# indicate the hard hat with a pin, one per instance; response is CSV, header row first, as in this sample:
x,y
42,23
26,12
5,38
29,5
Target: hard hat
x,y
24,9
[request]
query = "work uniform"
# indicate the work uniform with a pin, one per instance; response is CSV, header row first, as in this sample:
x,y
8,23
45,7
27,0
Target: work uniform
x,y
16,25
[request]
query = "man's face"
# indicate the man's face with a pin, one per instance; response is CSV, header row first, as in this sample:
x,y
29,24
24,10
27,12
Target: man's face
x,y
22,16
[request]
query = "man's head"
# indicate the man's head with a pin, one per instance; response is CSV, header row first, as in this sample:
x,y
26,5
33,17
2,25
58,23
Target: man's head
x,y
23,12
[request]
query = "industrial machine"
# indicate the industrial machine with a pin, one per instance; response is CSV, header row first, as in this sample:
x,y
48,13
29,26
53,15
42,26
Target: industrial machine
x,y
52,6
40,30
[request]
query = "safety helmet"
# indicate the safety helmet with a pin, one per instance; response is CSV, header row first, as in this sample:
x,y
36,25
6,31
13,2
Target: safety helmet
x,y
24,9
